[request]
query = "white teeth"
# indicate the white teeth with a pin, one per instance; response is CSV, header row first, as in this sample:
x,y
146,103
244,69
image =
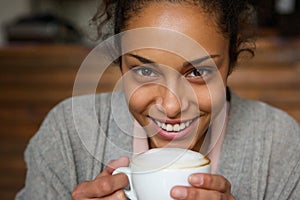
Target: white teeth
x,y
158,123
175,127
182,126
169,127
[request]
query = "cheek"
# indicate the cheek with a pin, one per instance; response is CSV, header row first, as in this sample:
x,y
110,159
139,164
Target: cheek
x,y
203,98
211,97
140,99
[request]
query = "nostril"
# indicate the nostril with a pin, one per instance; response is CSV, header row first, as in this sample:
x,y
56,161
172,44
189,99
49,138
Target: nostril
x,y
160,108
156,109
169,104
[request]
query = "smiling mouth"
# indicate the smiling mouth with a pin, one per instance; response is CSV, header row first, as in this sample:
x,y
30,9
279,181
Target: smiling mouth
x,y
174,127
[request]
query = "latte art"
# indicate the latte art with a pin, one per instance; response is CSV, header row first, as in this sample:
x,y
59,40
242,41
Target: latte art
x,y
168,159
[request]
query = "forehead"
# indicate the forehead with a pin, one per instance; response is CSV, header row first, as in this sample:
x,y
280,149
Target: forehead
x,y
187,19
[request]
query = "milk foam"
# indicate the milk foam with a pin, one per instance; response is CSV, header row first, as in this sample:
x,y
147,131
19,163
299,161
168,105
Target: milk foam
x,y
169,158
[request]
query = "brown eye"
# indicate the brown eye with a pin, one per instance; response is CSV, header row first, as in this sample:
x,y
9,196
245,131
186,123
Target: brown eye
x,y
199,73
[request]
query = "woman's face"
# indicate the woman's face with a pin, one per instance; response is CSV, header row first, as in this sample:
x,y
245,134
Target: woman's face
x,y
171,97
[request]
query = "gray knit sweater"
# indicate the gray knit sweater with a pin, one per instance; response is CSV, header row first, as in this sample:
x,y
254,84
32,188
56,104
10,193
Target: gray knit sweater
x,y
260,155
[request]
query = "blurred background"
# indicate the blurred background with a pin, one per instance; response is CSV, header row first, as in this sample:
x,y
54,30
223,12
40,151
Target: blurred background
x,y
43,43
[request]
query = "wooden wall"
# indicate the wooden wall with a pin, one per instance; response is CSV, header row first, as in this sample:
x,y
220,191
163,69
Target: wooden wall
x,y
35,78
273,75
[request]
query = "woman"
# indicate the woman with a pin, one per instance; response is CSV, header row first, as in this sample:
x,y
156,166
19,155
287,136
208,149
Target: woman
x,y
176,101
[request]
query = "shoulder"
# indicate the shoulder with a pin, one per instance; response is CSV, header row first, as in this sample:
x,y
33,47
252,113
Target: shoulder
x,y
58,143
81,113
93,101
271,141
61,130
75,119
62,116
264,116
267,126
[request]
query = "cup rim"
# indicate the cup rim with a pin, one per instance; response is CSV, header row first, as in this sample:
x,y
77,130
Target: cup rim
x,y
167,166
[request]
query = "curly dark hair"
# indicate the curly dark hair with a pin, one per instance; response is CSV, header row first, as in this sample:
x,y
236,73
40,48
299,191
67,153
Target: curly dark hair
x,y
236,19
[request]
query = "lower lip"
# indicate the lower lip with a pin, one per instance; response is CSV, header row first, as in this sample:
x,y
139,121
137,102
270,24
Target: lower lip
x,y
174,135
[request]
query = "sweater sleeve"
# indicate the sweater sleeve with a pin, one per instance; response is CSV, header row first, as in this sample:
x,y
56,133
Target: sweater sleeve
x,y
50,167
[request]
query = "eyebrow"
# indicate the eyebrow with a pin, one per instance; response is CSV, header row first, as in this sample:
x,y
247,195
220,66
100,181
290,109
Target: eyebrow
x,y
199,60
143,60
193,62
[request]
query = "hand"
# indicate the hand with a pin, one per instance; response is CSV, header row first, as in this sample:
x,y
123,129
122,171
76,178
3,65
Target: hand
x,y
105,186
204,186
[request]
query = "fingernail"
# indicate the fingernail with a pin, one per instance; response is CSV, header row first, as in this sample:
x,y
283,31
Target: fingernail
x,y
196,180
179,193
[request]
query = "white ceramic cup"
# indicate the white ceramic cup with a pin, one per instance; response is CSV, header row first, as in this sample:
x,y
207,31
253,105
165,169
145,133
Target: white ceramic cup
x,y
154,173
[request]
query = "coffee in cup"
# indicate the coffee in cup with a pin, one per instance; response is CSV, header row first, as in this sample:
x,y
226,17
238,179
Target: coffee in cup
x,y
155,172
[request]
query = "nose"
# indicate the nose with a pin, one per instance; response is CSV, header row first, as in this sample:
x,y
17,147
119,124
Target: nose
x,y
173,103
175,95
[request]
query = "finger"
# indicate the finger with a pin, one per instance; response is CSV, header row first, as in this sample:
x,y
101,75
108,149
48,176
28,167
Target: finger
x,y
118,195
109,184
190,193
114,164
210,182
100,187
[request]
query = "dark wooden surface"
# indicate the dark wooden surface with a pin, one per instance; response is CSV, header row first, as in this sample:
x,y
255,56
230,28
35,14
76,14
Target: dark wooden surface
x,y
35,78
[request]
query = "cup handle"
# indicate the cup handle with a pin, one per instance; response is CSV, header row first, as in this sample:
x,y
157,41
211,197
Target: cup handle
x,y
126,170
